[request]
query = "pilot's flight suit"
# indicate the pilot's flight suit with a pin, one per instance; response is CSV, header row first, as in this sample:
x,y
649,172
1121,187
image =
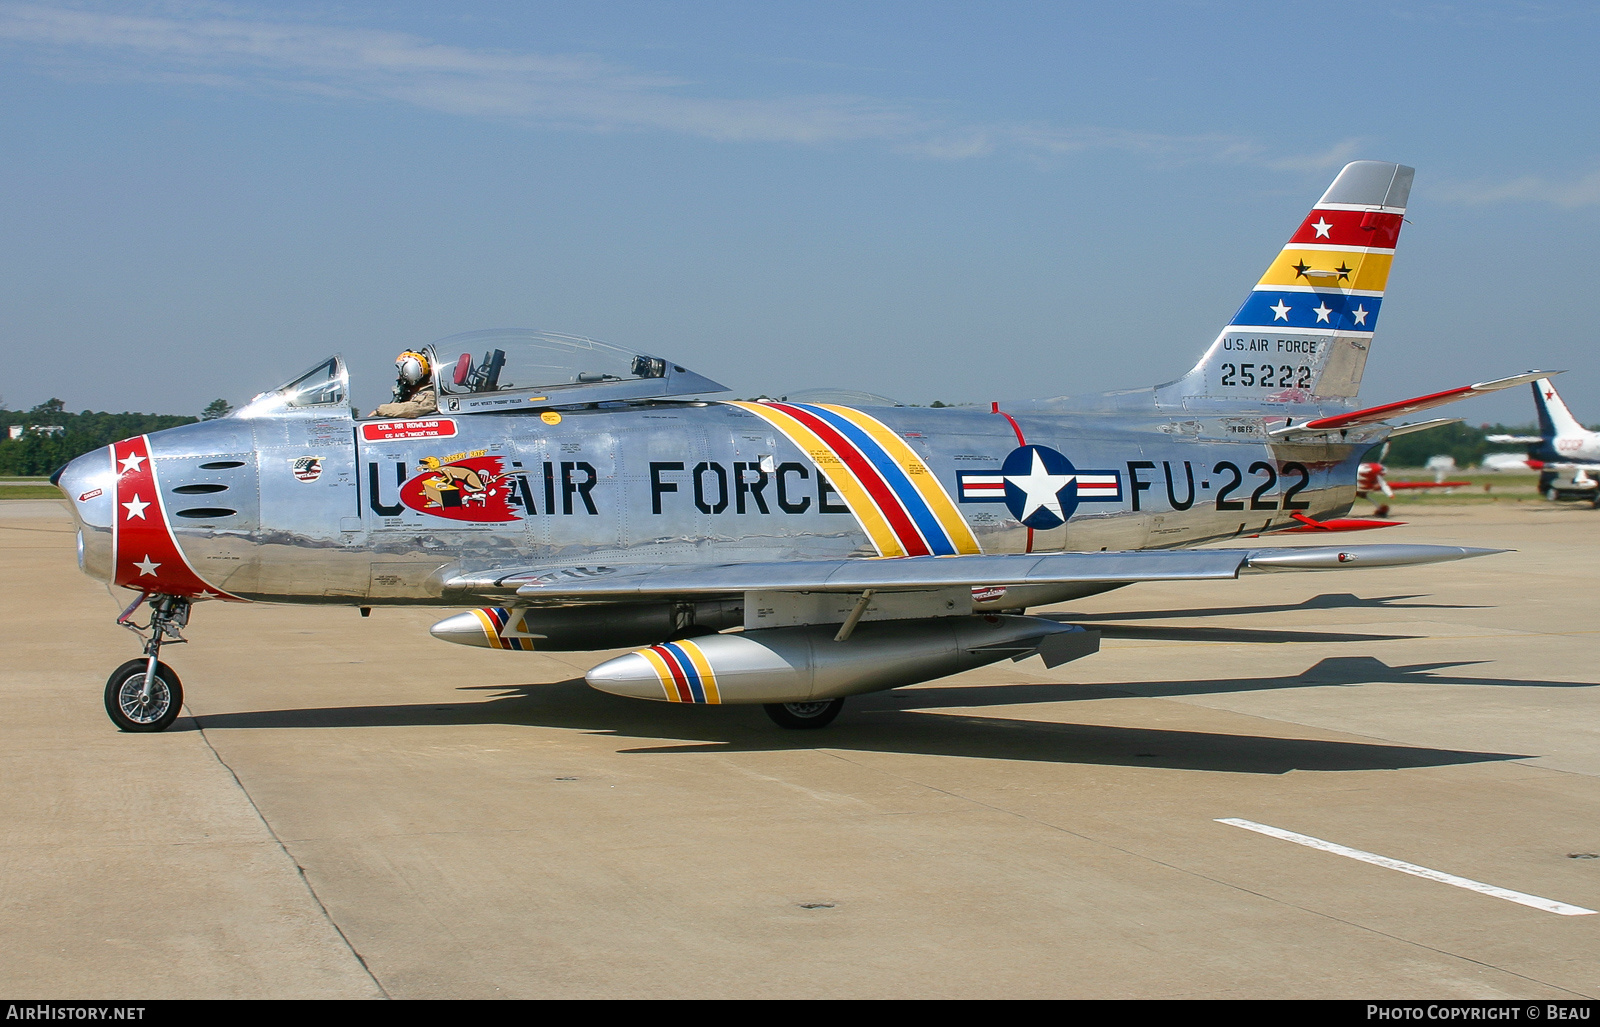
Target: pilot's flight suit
x,y
423,401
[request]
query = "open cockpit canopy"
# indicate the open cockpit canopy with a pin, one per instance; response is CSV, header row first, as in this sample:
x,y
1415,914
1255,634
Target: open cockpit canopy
x,y
509,369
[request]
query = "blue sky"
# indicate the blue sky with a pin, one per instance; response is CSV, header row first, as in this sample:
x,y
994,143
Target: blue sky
x,y
932,201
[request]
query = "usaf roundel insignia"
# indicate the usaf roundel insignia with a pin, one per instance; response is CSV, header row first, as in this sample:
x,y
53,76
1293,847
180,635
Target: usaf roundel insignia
x,y
1040,487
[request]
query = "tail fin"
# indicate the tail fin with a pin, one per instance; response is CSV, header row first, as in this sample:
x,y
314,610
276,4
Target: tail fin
x,y
1555,419
1302,335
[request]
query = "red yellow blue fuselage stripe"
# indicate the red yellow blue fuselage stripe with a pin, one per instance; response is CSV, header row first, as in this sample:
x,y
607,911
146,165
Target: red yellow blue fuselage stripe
x,y
899,502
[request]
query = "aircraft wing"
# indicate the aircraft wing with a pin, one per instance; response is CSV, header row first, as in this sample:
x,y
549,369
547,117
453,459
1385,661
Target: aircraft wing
x,y
632,583
1379,414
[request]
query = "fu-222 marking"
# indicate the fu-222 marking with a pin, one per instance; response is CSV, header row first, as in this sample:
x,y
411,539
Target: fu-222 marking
x,y
1225,498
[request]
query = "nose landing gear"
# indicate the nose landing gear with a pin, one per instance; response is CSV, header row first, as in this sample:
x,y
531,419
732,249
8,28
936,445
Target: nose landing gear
x,y
145,694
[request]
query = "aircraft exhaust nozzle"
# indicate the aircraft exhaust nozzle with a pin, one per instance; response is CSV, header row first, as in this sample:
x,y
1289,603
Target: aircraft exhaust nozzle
x,y
802,664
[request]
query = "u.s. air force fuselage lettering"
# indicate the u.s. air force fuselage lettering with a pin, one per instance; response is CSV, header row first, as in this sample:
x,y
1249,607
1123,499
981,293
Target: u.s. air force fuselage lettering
x,y
477,489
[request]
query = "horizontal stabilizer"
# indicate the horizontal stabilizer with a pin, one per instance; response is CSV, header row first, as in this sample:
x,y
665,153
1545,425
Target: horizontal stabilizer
x,y
1379,414
1437,422
660,582
1514,438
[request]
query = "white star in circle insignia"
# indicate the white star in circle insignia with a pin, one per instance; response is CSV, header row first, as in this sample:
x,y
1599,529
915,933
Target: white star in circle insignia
x,y
1322,311
135,508
146,566
1322,227
1040,487
131,462
1281,311
1359,315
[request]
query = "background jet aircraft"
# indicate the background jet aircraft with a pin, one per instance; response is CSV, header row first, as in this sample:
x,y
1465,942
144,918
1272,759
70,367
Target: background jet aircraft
x,y
574,496
1561,445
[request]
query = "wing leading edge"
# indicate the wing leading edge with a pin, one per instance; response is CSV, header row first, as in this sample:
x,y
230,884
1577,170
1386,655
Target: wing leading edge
x,y
634,582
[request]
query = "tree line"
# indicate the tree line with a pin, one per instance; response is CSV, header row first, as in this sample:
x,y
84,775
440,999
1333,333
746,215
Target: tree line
x,y
42,452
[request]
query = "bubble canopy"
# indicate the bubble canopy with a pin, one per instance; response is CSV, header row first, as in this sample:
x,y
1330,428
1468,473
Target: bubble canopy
x,y
509,369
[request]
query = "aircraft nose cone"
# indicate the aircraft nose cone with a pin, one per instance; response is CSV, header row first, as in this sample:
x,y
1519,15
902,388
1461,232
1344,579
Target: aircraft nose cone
x,y
89,484
631,675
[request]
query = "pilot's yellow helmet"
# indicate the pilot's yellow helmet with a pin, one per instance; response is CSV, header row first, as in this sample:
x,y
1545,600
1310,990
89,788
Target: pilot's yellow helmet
x,y
413,367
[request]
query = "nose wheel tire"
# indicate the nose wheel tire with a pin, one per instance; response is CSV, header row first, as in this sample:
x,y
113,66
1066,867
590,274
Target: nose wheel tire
x,y
803,715
131,710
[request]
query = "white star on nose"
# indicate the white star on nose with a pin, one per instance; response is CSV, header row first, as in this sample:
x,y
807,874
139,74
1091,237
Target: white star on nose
x,y
131,462
147,566
1040,487
1322,227
1281,311
1322,311
1359,315
135,508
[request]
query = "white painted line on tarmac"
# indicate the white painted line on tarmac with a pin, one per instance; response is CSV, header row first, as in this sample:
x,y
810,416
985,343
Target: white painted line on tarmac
x,y
1548,905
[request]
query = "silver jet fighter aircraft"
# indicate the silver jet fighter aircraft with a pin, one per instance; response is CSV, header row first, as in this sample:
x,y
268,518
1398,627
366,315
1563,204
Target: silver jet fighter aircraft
x,y
569,495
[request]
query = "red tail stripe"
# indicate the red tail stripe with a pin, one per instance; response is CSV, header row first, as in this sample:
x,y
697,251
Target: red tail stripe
x,y
1349,228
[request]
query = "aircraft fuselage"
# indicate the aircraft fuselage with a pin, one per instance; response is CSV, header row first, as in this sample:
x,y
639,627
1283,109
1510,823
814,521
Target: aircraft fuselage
x,y
315,507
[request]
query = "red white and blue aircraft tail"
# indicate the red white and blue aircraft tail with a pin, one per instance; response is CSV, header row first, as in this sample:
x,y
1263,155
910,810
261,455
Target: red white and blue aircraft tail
x,y
1303,333
1555,420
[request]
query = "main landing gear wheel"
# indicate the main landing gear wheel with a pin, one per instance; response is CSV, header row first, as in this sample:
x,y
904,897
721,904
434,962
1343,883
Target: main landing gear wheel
x,y
801,715
131,708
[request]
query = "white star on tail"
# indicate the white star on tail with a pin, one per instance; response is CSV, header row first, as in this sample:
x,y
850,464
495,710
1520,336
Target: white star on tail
x,y
1322,311
1281,311
135,508
131,462
1041,487
1322,227
1359,315
146,566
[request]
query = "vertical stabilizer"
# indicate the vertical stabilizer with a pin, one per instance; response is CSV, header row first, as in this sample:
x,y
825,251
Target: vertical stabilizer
x,y
1303,333
1555,420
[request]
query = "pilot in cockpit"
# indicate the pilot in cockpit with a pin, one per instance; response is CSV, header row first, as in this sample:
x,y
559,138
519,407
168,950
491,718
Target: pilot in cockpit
x,y
414,395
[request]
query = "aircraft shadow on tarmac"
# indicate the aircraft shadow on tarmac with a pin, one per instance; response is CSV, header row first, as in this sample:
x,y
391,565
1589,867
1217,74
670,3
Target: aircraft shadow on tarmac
x,y
1326,601
901,721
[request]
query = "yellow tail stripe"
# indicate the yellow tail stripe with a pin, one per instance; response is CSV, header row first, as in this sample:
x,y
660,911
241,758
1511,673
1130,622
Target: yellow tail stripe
x,y
1368,272
663,672
926,482
708,678
839,475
